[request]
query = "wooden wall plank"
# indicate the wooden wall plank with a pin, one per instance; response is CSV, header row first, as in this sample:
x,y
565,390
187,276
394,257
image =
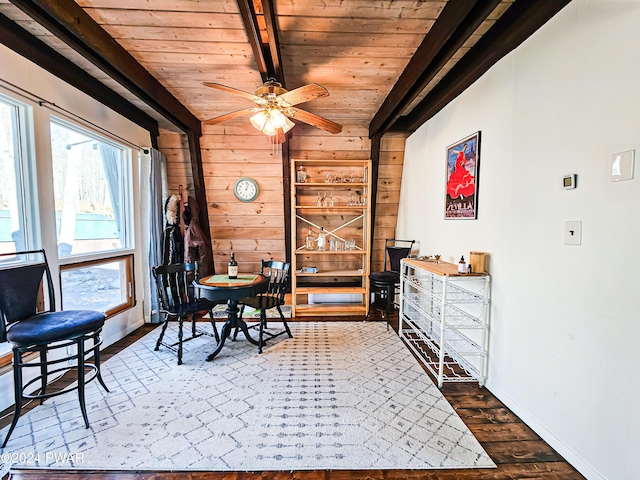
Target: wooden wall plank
x,y
267,221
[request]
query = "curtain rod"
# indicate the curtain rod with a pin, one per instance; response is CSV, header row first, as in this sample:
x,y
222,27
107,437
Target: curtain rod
x,y
52,106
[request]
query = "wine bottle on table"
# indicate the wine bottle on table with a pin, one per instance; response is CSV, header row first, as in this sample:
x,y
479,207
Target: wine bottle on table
x,y
233,267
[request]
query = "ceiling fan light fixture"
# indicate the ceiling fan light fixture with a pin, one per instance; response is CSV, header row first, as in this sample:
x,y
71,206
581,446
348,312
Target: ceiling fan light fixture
x,y
269,129
259,120
278,120
288,125
275,107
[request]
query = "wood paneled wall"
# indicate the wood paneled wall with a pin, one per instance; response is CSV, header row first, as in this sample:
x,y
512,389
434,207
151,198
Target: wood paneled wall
x,y
176,148
255,230
388,196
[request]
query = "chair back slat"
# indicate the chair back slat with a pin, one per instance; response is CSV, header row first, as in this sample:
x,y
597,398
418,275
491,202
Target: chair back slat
x,y
174,284
278,274
20,288
396,252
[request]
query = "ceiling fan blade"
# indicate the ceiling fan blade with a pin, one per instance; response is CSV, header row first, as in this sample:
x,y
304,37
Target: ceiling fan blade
x,y
224,88
304,94
228,116
316,121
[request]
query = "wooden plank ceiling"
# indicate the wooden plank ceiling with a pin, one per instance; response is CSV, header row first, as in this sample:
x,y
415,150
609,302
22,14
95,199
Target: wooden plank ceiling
x,y
357,49
389,65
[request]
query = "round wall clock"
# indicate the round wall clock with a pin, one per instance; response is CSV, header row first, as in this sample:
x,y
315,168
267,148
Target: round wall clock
x,y
246,189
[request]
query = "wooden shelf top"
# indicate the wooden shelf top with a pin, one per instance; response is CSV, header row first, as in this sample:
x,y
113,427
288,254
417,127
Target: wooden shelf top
x,y
331,184
334,273
336,207
330,290
443,269
329,252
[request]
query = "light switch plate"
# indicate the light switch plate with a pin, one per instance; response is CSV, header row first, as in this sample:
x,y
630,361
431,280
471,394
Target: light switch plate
x,y
573,232
622,165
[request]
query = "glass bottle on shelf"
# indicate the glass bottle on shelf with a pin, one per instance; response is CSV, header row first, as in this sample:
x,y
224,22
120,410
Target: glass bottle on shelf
x,y
301,174
320,200
322,240
233,267
462,265
332,244
309,241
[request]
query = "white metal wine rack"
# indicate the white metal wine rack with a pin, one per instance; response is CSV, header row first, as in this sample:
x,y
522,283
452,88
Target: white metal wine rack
x,y
444,320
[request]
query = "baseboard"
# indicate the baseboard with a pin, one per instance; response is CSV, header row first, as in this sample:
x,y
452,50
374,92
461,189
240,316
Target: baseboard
x,y
558,445
111,339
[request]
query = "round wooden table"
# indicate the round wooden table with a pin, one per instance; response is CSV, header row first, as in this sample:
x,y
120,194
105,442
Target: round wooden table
x,y
220,287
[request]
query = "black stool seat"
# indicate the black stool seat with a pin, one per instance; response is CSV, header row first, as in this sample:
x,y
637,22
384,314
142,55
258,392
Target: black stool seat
x,y
54,327
384,278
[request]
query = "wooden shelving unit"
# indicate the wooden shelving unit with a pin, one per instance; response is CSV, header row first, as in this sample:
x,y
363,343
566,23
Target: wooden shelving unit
x,y
336,195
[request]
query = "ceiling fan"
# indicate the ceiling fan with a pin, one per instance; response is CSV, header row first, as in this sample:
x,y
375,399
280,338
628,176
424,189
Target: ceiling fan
x,y
275,106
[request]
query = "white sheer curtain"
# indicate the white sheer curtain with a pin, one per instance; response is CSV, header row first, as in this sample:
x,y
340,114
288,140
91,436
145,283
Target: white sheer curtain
x,y
153,188
112,165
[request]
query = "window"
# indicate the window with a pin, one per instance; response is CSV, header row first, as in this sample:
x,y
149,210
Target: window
x,y
90,187
18,205
102,285
18,218
92,193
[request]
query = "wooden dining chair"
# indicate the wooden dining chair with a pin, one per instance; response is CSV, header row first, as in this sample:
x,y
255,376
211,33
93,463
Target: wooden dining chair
x,y
177,301
278,274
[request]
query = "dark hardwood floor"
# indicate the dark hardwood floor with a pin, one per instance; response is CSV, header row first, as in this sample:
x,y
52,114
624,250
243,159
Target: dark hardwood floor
x,y
516,449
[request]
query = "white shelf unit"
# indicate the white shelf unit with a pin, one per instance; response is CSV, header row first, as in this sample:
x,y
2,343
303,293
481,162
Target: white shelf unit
x,y
339,273
444,319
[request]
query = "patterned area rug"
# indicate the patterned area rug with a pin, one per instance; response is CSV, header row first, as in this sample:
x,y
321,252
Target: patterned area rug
x,y
220,311
339,395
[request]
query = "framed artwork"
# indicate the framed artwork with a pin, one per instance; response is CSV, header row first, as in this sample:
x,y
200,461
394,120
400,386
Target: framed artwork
x,y
463,162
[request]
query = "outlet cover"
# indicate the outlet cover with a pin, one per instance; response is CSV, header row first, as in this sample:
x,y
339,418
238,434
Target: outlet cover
x,y
573,232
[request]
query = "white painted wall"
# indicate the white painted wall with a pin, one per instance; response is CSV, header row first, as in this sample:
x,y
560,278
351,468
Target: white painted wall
x,y
565,322
30,77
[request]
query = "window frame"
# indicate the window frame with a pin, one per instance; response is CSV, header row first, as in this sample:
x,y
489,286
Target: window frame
x,y
27,191
127,187
127,251
129,280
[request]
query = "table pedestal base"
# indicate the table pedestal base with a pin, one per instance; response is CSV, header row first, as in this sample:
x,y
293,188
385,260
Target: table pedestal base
x,y
232,322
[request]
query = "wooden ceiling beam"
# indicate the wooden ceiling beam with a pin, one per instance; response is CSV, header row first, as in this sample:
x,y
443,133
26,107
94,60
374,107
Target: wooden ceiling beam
x,y
517,24
250,21
455,24
268,9
22,42
269,63
71,24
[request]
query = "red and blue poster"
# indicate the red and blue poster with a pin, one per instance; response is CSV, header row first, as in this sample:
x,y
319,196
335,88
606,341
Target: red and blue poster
x,y
463,160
